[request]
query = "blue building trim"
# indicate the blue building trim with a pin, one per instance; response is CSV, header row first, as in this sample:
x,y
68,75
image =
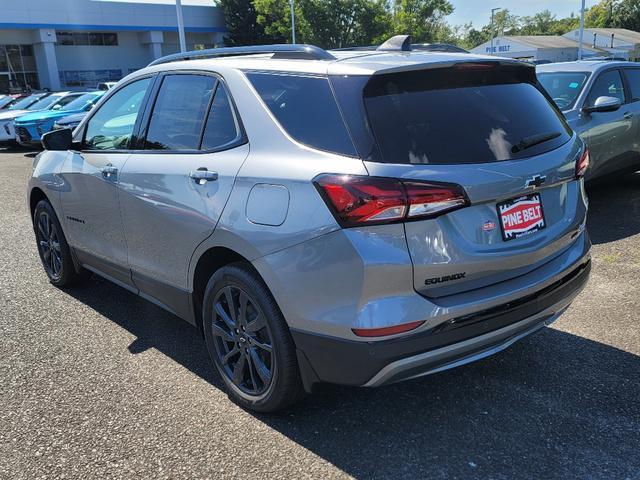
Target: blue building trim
x,y
101,28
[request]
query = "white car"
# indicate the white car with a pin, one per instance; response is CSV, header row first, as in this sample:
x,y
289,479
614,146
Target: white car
x,y
32,103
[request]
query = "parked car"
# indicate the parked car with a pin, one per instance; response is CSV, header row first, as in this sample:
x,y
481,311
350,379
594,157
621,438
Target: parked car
x,y
30,127
6,101
324,216
600,101
70,121
105,85
20,107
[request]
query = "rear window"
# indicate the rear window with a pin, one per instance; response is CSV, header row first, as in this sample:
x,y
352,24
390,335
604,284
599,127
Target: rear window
x,y
306,108
453,116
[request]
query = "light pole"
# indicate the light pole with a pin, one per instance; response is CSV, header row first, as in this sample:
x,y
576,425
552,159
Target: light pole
x,y
581,34
183,43
293,21
493,32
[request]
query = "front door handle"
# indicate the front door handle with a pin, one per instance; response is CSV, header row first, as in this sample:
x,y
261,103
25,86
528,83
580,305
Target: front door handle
x,y
108,170
628,115
202,175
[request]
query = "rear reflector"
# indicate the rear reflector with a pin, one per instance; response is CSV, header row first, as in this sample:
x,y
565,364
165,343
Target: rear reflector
x,y
381,332
583,164
357,200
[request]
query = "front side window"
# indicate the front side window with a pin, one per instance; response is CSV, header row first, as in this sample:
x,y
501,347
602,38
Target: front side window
x,y
306,108
179,112
608,84
563,87
111,128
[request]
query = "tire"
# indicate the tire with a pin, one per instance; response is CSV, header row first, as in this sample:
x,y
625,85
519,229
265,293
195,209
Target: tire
x,y
256,377
53,248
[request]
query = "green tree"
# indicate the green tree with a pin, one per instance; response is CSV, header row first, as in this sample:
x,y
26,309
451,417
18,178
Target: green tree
x,y
342,23
626,14
274,17
599,16
242,26
424,20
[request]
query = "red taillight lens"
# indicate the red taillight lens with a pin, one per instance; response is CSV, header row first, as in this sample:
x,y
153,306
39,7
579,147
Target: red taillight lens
x,y
357,200
583,164
381,332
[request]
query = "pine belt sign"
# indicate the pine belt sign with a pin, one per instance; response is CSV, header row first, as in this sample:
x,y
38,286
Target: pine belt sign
x,y
498,49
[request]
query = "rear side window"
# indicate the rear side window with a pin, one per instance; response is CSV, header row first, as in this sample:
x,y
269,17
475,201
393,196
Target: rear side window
x,y
306,109
221,129
633,75
179,112
452,117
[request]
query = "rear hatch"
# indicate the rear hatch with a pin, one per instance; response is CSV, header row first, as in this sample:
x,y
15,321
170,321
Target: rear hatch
x,y
488,128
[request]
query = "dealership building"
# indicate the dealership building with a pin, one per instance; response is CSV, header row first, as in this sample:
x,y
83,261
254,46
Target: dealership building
x,y
75,44
616,43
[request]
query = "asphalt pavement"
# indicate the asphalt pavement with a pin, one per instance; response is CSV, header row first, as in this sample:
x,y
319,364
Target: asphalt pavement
x,y
98,383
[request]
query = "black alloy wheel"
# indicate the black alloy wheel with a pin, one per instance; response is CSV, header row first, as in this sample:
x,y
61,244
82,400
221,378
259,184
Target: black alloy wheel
x,y
243,342
249,341
48,239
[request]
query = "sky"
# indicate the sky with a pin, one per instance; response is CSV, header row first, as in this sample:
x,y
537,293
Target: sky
x,y
479,12
476,11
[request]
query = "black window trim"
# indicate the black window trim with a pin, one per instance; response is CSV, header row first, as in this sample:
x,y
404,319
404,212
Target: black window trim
x,y
241,139
136,127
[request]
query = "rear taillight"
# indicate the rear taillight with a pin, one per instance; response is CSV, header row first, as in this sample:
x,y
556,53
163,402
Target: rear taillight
x,y
583,164
357,200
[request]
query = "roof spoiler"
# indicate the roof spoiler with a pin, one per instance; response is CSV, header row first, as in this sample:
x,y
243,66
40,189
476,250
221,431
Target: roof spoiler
x,y
288,51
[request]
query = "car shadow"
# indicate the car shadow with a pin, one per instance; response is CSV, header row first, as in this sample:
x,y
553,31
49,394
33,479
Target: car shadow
x,y
555,405
27,151
614,208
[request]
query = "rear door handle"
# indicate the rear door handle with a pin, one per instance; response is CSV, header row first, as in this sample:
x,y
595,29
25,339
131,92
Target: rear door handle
x,y
202,175
108,170
628,115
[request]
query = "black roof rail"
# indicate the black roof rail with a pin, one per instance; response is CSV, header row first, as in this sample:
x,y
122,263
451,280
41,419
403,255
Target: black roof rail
x,y
289,51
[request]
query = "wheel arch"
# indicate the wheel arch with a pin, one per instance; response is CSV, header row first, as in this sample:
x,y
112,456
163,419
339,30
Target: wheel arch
x,y
210,261
36,195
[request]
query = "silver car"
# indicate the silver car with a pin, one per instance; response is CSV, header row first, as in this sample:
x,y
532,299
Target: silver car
x,y
601,101
350,217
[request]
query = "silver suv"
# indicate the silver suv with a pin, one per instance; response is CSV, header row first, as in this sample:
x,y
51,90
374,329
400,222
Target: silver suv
x,y
353,217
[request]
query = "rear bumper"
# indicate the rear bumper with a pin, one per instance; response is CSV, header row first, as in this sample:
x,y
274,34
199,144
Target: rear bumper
x,y
450,344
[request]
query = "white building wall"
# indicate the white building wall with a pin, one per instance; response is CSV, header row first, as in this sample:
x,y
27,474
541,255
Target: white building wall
x,y
145,32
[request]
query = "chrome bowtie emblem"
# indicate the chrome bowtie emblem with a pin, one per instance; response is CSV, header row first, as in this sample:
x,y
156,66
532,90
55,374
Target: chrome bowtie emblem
x,y
535,181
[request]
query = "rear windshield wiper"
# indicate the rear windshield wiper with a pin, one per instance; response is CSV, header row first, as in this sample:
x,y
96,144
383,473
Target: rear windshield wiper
x,y
533,140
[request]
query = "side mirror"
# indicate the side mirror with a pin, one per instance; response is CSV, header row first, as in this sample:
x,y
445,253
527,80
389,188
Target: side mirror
x,y
58,139
604,104
56,107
